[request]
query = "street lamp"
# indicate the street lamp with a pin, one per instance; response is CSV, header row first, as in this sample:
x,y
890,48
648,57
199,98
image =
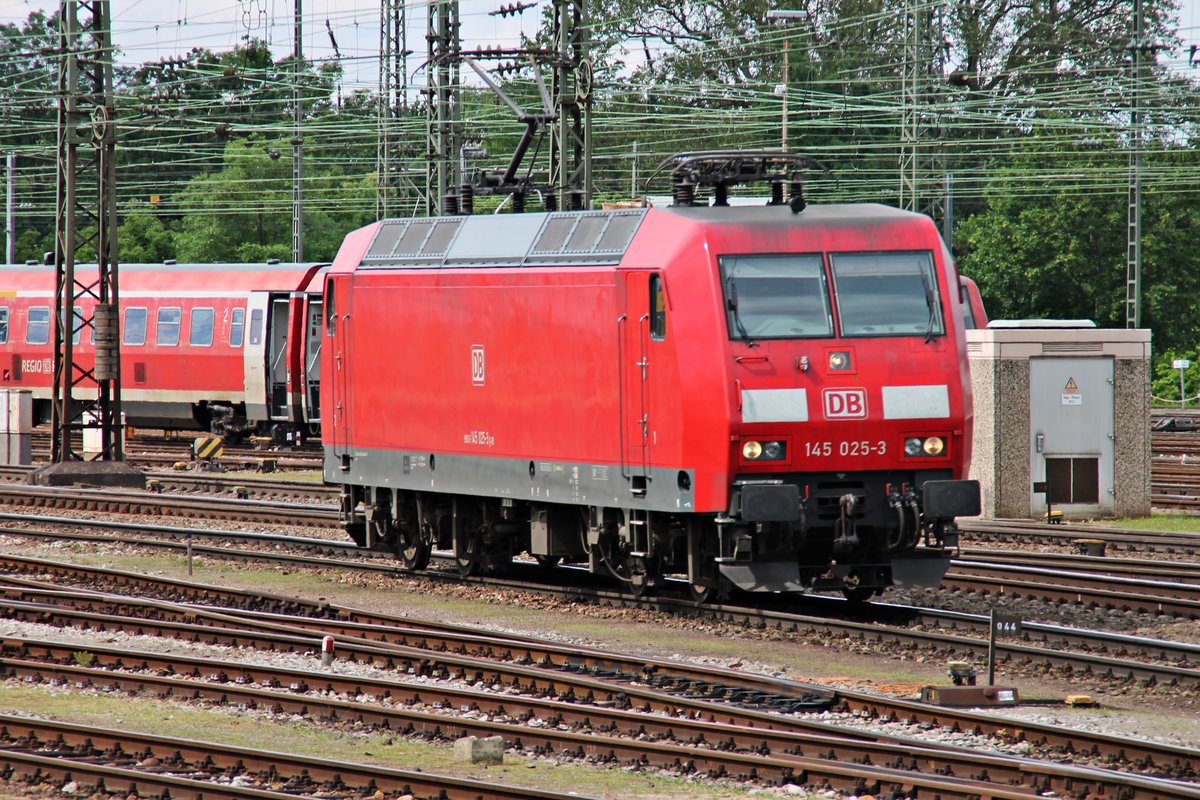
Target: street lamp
x,y
782,15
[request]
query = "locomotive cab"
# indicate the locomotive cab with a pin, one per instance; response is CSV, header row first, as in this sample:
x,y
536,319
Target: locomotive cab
x,y
853,436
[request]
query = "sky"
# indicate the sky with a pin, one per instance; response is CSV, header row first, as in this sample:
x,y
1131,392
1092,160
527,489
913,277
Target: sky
x,y
149,30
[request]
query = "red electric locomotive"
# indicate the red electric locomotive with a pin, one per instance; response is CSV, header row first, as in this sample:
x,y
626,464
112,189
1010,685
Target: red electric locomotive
x,y
774,398
230,348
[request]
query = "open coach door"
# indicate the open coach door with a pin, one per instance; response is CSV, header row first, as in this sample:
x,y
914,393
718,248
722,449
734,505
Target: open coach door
x,y
266,357
313,335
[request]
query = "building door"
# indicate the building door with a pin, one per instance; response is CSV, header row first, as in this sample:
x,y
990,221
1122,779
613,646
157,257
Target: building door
x,y
1071,427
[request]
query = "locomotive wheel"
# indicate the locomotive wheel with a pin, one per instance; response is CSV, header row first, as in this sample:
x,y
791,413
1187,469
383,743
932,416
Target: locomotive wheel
x,y
546,562
412,548
715,592
858,594
468,552
642,575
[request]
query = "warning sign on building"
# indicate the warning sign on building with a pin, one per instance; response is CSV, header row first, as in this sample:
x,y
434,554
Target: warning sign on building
x,y
1071,395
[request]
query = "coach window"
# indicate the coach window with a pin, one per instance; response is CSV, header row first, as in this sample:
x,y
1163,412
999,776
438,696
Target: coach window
x,y
166,334
775,296
3,324
256,326
658,309
201,331
237,327
38,329
77,326
135,327
887,294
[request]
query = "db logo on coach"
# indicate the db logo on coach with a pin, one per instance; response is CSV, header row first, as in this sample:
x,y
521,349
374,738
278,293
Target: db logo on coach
x,y
477,364
845,403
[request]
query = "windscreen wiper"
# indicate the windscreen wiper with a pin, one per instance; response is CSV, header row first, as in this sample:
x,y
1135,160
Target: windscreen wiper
x,y
932,305
737,318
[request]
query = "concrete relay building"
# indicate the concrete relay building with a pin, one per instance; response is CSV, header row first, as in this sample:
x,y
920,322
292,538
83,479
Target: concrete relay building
x,y
1061,412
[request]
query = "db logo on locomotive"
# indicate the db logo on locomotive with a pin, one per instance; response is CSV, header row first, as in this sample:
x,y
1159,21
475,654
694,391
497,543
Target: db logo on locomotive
x,y
845,403
477,365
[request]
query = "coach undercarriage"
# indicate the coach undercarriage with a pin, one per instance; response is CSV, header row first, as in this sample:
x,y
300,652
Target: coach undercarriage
x,y
856,538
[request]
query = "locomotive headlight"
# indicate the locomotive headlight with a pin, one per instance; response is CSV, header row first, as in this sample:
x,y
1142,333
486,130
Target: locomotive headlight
x,y
839,361
764,451
924,446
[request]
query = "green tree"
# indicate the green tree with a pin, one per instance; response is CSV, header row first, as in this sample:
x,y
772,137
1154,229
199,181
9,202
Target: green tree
x,y
1058,249
143,238
243,212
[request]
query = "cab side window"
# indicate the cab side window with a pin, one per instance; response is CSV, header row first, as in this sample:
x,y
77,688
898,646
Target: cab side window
x,y
658,309
3,324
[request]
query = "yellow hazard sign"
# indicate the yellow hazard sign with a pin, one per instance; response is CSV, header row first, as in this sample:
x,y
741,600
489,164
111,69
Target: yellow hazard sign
x,y
208,447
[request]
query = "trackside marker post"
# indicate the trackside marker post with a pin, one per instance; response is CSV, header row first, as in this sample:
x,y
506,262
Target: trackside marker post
x,y
327,651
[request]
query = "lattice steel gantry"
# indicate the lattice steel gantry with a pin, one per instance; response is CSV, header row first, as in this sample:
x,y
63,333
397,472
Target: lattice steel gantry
x,y
86,398
571,89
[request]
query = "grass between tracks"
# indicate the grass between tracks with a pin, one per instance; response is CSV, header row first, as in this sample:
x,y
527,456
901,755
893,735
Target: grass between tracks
x,y
1162,521
294,736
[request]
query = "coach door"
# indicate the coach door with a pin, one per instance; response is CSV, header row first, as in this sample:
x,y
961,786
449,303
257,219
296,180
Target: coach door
x,y
277,356
313,335
634,355
254,355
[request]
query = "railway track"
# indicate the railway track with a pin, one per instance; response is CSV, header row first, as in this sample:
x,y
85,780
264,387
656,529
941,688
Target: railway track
x,y
175,505
103,759
1062,582
158,451
717,739
1077,650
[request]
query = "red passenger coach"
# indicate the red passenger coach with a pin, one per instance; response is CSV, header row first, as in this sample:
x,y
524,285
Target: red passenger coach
x,y
221,347
749,397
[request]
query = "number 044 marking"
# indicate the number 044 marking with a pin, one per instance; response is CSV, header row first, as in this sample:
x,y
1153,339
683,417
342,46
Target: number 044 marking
x,y
844,448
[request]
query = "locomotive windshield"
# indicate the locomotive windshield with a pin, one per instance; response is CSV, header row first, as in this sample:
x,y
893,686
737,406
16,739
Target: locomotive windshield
x,y
775,296
887,294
